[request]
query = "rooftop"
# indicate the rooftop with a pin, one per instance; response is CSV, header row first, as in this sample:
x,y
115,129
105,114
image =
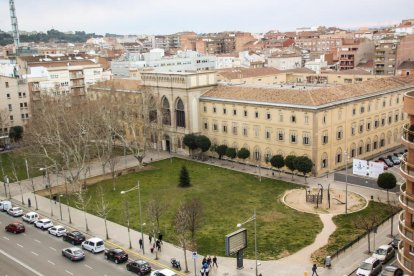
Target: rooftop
x,y
237,73
311,98
406,64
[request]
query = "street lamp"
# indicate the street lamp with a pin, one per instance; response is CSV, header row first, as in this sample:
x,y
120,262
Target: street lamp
x,y
50,188
253,218
140,211
60,207
346,182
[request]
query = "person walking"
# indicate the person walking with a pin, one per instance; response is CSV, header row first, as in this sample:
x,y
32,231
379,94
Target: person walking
x,y
204,261
314,267
202,271
29,202
140,243
160,237
206,271
215,261
158,243
209,261
150,238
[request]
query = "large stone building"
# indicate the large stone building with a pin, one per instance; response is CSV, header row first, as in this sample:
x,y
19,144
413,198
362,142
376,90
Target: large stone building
x,y
406,224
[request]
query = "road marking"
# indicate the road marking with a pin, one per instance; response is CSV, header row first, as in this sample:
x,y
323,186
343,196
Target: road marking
x,y
21,263
68,272
37,241
24,234
88,266
54,249
6,238
34,253
50,262
19,245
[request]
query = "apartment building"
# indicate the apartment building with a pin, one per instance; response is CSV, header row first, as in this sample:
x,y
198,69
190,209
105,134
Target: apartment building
x,y
405,252
385,56
363,119
285,61
14,103
405,50
352,52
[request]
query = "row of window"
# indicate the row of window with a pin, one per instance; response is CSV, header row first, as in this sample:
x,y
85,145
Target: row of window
x,y
22,106
23,116
21,95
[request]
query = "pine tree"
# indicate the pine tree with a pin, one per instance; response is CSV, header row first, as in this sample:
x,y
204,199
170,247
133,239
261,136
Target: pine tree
x,y
184,178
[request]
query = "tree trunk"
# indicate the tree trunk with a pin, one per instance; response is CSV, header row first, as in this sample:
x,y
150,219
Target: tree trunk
x,y
113,181
369,241
304,175
185,258
106,229
86,220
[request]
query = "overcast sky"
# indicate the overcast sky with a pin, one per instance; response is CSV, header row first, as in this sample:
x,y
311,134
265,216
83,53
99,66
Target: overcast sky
x,y
169,16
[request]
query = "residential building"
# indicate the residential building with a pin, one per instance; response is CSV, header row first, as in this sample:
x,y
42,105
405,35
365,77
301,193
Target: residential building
x,y
14,103
405,252
352,52
385,56
285,61
405,50
405,28
406,68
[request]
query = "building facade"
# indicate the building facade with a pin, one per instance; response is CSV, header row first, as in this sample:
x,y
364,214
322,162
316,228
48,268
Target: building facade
x,y
385,56
405,251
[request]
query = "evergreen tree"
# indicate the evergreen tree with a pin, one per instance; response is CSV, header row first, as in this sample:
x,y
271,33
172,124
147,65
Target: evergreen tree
x,y
184,178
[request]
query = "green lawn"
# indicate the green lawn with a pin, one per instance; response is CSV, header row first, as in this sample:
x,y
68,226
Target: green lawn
x,y
228,198
346,231
7,159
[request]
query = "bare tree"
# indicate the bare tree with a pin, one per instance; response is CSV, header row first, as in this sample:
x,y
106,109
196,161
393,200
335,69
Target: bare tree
x,y
194,209
155,211
103,208
15,178
368,224
82,202
181,224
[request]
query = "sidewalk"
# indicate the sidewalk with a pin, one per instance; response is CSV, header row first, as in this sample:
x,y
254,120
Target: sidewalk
x,y
295,264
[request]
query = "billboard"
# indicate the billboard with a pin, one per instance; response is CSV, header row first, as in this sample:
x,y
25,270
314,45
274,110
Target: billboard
x,y
360,167
236,241
375,169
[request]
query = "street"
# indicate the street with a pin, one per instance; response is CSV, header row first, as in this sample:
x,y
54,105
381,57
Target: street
x,y
37,251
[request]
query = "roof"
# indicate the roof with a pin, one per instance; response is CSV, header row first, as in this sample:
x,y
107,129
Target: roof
x,y
355,71
118,84
237,73
302,70
310,98
407,64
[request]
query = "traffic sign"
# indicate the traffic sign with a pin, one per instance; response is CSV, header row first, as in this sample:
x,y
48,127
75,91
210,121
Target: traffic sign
x,y
194,254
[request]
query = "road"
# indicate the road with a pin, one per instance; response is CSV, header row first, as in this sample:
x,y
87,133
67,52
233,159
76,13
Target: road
x,y
41,252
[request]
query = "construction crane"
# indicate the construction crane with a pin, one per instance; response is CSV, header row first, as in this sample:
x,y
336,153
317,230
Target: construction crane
x,y
15,28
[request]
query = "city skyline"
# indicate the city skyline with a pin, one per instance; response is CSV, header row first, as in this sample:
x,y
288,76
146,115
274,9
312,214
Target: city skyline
x,y
163,17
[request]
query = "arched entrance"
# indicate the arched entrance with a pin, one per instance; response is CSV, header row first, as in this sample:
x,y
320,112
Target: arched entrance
x,y
167,143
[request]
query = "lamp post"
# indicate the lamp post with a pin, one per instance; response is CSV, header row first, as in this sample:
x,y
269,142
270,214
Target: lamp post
x,y
50,188
253,218
140,211
60,207
346,182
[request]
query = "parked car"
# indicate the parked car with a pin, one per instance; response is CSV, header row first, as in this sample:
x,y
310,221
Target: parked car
x,y
31,217
116,255
43,224
15,227
369,267
163,272
397,154
386,161
394,159
385,165
391,270
5,205
94,245
57,231
384,253
74,237
15,211
139,267
73,253
394,243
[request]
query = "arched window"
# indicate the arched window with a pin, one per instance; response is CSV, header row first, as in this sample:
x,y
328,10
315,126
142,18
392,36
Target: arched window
x,y
375,143
368,145
166,114
360,147
180,113
280,152
324,160
353,150
152,110
382,140
338,157
256,153
235,146
268,155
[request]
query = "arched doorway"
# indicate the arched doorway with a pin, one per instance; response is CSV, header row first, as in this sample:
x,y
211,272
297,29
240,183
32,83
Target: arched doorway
x,y
167,143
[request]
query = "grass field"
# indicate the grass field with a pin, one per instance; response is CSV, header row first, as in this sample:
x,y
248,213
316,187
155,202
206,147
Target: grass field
x,y
7,159
228,198
346,231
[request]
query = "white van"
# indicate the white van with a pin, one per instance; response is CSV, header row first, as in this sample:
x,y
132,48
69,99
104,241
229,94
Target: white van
x,y
94,245
31,217
5,205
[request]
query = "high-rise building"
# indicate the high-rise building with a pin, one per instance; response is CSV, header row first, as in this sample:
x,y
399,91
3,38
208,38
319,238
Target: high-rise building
x,y
406,224
385,56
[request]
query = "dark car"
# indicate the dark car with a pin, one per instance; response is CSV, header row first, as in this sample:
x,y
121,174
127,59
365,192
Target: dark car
x,y
394,159
15,227
139,267
397,154
74,237
394,242
391,270
116,255
387,161
73,253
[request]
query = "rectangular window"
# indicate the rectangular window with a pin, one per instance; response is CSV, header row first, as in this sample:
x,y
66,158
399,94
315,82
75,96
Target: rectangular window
x,y
325,138
205,109
396,117
234,112
214,110
234,128
245,131
368,126
354,111
376,123
324,119
368,148
382,121
268,115
306,119
215,127
205,125
293,137
225,128
293,119
245,113
256,114
10,107
361,128
256,132
306,140
8,96
11,117
267,133
362,109
7,84
224,111
280,135
353,129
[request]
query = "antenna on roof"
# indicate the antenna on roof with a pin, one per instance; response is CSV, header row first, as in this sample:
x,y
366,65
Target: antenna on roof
x,y
15,28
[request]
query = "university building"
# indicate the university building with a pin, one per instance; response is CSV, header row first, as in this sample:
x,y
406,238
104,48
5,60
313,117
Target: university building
x,y
326,124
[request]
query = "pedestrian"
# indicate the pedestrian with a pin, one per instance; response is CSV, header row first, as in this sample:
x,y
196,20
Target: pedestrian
x,y
158,245
204,261
314,267
202,271
150,238
140,243
209,261
55,198
29,202
205,266
215,261
160,237
206,271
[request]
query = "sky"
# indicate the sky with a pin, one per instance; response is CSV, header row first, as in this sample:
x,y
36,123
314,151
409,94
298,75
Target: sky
x,y
201,16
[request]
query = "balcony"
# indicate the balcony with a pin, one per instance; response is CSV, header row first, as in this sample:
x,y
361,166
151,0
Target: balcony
x,y
406,169
407,202
409,103
76,75
408,136
404,261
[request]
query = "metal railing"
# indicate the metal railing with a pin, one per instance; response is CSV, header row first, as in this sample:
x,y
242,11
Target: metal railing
x,y
404,261
408,133
405,232
406,167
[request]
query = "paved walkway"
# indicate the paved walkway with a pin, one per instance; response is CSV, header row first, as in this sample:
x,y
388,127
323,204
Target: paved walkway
x,y
295,264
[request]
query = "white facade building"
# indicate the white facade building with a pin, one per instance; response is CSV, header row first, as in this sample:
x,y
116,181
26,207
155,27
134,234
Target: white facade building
x,y
285,62
317,64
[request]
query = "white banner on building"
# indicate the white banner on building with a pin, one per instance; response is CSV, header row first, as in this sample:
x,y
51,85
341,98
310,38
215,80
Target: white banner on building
x,y
375,169
360,167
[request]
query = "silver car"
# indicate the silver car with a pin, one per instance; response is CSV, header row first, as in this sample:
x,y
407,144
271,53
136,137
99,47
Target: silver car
x,y
73,253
